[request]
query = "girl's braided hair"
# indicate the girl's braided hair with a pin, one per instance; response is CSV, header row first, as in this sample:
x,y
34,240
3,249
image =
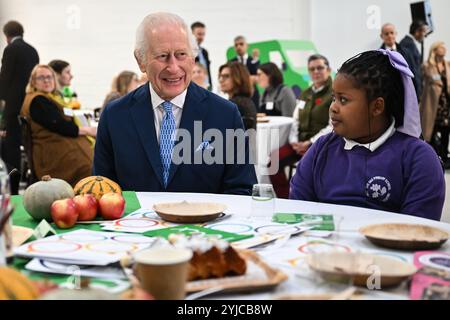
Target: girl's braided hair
x,y
373,72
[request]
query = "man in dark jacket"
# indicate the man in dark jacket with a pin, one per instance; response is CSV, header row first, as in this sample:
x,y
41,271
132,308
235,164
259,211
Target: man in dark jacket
x,y
389,37
412,44
252,63
19,58
199,31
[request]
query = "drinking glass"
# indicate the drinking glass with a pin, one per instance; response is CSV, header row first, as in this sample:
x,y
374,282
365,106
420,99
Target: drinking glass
x,y
263,201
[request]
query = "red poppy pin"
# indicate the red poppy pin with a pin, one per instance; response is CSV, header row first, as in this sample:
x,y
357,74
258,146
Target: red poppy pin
x,y
318,101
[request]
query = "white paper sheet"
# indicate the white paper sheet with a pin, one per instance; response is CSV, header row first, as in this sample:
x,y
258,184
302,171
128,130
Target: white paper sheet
x,y
85,247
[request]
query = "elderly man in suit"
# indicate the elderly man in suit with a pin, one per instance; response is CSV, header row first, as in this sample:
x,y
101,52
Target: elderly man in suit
x,y
412,44
19,58
159,137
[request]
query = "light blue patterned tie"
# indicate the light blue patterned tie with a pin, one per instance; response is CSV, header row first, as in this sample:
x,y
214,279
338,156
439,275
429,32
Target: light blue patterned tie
x,y
167,139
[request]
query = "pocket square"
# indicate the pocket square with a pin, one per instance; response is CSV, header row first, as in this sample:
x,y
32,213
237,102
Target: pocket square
x,y
204,146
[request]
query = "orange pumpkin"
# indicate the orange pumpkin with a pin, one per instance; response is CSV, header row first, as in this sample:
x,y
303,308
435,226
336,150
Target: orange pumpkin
x,y
97,186
15,286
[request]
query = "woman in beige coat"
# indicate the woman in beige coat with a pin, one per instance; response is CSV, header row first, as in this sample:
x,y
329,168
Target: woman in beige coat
x,y
435,101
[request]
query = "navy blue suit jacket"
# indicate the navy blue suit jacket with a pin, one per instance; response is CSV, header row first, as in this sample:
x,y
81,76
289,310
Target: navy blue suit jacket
x,y
414,60
127,149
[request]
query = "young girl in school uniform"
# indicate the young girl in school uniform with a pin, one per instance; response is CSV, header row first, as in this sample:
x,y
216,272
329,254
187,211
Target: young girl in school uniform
x,y
374,157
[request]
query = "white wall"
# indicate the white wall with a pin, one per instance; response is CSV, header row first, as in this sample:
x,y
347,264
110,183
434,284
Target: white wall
x,y
102,44
97,37
341,29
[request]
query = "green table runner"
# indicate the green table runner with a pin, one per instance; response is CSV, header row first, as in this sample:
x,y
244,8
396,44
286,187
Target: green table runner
x,y
22,218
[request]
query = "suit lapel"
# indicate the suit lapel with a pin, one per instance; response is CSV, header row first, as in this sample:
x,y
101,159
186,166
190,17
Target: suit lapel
x,y
193,110
144,122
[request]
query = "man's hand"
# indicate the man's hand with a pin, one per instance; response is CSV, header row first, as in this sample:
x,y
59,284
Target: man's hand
x,y
301,147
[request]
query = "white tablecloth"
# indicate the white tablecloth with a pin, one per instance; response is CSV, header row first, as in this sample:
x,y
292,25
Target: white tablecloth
x,y
270,136
301,280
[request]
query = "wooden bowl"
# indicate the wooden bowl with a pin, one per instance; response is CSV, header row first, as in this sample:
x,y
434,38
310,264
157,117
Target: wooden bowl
x,y
189,212
405,236
359,267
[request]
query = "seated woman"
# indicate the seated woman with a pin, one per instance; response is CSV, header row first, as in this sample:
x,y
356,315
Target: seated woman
x,y
64,78
277,99
374,158
310,118
61,149
200,75
234,80
123,84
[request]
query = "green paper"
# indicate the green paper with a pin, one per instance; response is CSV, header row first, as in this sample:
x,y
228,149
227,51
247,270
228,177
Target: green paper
x,y
192,229
327,223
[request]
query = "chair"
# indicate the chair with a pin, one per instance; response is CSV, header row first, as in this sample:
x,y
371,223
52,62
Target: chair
x,y
249,122
27,144
292,167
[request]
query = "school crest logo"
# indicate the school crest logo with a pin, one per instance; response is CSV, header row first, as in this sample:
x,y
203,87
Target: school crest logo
x,y
378,188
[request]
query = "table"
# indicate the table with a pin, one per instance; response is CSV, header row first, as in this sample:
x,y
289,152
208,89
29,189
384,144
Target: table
x,y
270,136
301,280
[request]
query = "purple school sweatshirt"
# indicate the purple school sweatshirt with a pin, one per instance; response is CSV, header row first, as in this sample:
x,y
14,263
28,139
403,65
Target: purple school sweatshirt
x,y
403,175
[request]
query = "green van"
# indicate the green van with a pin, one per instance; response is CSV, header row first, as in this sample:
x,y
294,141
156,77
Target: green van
x,y
291,56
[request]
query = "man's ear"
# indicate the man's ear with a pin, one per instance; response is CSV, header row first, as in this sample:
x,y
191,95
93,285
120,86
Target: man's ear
x,y
139,62
377,107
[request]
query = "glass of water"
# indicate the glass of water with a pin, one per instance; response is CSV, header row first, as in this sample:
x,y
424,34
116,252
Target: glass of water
x,y
263,201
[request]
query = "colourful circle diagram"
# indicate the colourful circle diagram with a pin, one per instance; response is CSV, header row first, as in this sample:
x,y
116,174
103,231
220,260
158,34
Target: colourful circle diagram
x,y
83,237
51,247
111,247
271,228
231,227
322,246
135,239
136,223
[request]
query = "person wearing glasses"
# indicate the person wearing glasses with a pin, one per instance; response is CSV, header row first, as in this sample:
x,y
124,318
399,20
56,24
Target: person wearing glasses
x,y
311,120
234,80
60,148
277,99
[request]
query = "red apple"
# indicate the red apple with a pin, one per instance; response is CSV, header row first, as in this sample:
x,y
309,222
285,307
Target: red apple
x,y
64,213
86,206
111,206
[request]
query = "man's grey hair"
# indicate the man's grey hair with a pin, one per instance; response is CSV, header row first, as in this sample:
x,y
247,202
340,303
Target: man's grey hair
x,y
151,22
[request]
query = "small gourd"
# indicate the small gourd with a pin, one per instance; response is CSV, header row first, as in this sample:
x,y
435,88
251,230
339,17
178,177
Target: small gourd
x,y
38,197
97,186
15,286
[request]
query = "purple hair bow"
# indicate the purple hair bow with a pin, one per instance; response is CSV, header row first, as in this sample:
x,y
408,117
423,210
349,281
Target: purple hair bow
x,y
411,117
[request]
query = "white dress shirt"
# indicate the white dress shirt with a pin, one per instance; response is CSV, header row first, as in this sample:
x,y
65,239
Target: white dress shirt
x,y
372,146
417,43
158,110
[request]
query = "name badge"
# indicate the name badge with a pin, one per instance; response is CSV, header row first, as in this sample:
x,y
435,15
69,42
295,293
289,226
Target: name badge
x,y
269,105
436,77
68,112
